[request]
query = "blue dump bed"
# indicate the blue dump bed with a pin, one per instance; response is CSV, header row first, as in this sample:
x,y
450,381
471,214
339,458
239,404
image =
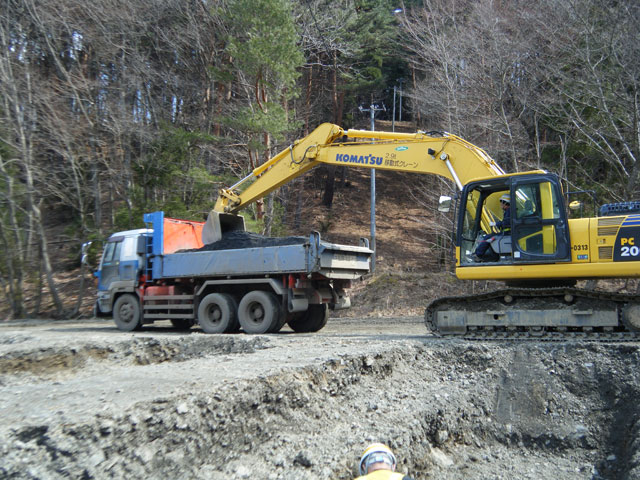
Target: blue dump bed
x,y
309,256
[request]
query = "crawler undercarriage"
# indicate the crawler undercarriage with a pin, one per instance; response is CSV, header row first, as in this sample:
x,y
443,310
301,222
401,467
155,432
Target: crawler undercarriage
x,y
552,314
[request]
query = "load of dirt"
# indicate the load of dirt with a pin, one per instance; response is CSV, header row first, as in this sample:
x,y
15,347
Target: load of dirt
x,y
241,239
158,404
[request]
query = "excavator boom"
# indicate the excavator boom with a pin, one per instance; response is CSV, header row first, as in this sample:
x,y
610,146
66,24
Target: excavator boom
x,y
426,153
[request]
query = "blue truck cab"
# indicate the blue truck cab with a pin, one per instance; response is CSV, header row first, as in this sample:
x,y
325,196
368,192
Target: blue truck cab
x,y
122,260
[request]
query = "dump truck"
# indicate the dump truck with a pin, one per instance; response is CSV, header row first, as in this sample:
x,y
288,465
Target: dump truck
x,y
186,272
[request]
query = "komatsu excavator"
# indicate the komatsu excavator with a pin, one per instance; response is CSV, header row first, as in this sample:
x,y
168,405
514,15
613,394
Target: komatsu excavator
x,y
540,257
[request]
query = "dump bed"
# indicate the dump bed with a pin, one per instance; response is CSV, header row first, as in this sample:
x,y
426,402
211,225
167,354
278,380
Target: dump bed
x,y
311,256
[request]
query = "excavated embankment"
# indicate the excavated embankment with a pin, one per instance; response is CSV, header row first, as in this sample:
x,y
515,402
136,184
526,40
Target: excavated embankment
x,y
164,405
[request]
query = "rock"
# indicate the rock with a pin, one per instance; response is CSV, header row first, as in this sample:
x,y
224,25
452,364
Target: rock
x,y
243,472
441,437
302,459
440,458
145,453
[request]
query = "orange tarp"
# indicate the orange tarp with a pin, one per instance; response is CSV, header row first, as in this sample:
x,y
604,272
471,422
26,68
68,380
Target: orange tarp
x,y
181,235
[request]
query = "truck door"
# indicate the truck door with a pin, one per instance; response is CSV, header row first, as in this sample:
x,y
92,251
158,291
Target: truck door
x,y
539,222
110,264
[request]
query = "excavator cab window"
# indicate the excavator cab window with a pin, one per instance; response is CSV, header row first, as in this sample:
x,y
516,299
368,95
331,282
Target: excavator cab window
x,y
482,210
539,231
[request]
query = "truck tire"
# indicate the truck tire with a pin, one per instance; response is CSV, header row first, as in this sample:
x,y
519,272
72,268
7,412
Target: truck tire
x,y
218,313
313,320
126,313
282,321
259,312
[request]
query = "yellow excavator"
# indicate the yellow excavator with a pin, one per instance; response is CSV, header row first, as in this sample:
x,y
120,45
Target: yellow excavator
x,y
540,255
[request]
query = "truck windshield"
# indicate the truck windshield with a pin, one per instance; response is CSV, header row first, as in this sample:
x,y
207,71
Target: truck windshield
x,y
111,253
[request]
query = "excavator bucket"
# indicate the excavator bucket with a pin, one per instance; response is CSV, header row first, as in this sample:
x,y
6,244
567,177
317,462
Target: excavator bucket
x,y
218,224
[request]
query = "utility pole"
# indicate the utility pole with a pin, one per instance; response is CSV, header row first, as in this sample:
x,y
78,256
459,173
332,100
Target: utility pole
x,y
395,92
372,111
400,82
393,119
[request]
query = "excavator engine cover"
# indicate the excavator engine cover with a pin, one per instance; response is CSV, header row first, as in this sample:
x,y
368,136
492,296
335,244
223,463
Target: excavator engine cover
x,y
218,224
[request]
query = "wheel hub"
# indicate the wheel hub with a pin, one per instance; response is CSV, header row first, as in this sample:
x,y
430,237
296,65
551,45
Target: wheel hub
x,y
126,313
257,313
215,314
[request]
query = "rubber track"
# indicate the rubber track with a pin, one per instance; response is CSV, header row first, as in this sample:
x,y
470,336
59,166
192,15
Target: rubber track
x,y
548,295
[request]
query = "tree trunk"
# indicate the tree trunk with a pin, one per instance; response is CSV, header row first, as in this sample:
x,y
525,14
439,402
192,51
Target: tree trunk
x,y
97,205
297,218
13,251
46,261
307,101
329,186
268,218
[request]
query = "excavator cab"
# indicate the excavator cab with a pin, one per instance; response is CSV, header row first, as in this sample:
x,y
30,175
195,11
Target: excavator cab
x,y
538,232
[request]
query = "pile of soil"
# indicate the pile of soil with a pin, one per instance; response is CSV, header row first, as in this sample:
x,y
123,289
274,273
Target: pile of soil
x,y
241,239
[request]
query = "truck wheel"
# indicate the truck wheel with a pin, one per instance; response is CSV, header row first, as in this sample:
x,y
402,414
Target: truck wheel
x,y
217,313
126,313
259,312
313,320
282,321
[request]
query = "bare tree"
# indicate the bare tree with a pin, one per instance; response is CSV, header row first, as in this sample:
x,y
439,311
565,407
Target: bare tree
x,y
476,78
596,80
20,124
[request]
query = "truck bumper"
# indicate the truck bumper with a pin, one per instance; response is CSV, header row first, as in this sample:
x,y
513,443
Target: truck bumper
x,y
102,307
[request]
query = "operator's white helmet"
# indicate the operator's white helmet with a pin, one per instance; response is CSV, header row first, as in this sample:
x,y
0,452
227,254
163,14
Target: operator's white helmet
x,y
374,453
506,198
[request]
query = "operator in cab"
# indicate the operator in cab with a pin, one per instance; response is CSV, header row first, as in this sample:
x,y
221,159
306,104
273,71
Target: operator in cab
x,y
379,463
481,253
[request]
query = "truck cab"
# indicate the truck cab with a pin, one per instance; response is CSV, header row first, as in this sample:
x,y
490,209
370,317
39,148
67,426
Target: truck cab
x,y
121,265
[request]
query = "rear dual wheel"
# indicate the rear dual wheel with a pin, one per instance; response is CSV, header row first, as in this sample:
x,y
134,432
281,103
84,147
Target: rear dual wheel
x,y
260,312
218,313
313,320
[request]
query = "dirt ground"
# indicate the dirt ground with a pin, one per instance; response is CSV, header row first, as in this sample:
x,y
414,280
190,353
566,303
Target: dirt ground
x,y
83,400
80,399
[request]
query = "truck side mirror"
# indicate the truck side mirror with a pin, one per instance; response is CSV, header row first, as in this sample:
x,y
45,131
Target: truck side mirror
x,y
141,246
444,204
85,256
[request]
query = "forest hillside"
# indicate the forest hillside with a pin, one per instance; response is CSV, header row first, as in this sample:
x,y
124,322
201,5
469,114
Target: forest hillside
x,y
110,109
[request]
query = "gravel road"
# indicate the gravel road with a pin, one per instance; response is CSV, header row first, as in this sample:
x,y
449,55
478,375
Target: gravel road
x,y
84,400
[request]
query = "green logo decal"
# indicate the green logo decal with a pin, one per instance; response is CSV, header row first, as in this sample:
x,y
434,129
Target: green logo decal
x,y
402,149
